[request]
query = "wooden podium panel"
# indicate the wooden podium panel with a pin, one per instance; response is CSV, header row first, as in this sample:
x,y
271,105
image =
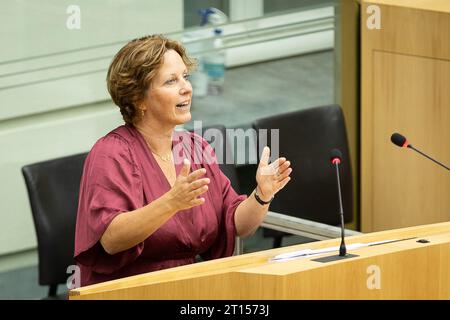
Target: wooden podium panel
x,y
404,269
405,76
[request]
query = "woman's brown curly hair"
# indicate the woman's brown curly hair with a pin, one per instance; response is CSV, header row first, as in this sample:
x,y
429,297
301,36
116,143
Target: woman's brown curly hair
x,y
133,68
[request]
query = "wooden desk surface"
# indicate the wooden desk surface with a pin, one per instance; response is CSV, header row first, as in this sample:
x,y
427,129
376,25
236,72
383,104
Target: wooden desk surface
x,y
233,272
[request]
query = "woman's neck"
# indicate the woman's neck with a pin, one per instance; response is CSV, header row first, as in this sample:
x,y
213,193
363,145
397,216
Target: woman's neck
x,y
159,139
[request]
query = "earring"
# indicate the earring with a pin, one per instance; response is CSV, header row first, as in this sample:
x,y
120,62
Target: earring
x,y
142,113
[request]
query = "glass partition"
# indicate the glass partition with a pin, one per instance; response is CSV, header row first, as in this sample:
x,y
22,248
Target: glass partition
x,y
56,44
278,62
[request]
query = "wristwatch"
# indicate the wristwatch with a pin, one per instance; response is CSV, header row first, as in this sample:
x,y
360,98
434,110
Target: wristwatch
x,y
260,201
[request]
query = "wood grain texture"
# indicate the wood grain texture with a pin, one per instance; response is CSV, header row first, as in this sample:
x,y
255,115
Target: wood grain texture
x,y
408,270
405,81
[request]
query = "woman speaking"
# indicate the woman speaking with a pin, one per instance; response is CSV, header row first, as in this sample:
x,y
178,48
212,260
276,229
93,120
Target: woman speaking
x,y
146,202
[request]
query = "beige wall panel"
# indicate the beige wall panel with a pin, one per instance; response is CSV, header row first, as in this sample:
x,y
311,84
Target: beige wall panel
x,y
405,78
409,189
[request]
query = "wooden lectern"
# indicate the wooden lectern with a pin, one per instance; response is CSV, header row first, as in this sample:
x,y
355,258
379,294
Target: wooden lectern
x,y
416,265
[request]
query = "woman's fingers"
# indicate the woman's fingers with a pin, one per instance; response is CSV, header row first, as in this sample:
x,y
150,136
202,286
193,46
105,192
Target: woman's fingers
x,y
195,193
277,166
284,182
278,162
265,155
191,187
199,183
196,174
196,202
284,174
185,169
279,169
286,164
273,168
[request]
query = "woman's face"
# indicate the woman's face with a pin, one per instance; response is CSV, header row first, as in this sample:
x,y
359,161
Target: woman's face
x,y
169,97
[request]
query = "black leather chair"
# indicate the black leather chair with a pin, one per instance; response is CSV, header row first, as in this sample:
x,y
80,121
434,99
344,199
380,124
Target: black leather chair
x,y
53,188
306,138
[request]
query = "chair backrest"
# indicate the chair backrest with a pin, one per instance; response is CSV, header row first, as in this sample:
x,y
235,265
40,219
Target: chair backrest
x,y
217,137
53,188
306,138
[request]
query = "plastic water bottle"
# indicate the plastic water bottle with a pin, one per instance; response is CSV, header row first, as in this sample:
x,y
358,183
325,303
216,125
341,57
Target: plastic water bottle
x,y
199,80
214,64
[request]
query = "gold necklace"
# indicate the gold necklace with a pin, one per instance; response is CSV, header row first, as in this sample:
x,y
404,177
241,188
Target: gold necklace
x,y
165,158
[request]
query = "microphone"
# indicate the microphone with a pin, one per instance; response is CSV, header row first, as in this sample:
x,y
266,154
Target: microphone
x,y
336,158
401,141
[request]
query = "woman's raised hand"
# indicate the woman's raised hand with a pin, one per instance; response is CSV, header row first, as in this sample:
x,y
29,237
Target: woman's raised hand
x,y
187,188
272,177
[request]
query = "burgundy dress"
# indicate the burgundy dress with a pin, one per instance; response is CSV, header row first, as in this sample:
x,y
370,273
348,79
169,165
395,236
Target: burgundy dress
x,y
120,174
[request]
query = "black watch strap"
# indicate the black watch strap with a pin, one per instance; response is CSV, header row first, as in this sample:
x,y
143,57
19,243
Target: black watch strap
x,y
260,201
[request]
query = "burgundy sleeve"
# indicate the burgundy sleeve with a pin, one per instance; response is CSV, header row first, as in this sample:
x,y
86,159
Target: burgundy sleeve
x,y
224,244
110,185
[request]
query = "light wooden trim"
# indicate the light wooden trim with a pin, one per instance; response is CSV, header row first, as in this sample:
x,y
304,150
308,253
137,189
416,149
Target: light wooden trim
x,y
431,5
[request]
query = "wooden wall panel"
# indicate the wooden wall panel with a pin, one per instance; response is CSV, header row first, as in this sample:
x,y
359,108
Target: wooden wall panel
x,y
405,88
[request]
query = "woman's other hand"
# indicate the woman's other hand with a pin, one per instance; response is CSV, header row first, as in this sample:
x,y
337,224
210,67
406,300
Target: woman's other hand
x,y
187,188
